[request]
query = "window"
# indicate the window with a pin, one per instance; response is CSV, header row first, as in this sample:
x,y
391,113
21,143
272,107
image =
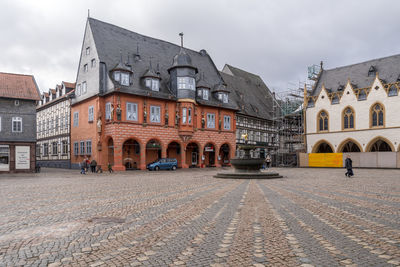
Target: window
x,y
91,114
88,50
199,92
0,124
362,95
186,83
205,94
84,88
117,76
335,100
154,114
225,98
66,122
93,63
55,148
82,147
348,119
155,85
51,124
377,115
392,90
56,123
76,148
45,149
78,90
131,111
88,147
227,122
17,125
76,119
85,68
64,147
124,78
62,122
189,115
323,120
183,115
108,111
210,120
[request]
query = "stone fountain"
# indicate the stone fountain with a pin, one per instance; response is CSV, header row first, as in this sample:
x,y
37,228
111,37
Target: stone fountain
x,y
247,167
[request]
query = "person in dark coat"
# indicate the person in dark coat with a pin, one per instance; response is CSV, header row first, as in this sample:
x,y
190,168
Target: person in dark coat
x,y
349,166
93,165
83,167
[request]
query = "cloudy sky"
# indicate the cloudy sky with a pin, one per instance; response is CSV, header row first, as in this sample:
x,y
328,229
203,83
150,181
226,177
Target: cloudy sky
x,y
276,39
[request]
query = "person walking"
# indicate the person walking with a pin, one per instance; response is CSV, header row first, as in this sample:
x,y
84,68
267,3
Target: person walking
x,y
268,160
83,166
348,163
110,170
93,165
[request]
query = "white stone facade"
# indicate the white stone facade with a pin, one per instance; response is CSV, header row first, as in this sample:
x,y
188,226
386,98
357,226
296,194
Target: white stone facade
x,y
363,133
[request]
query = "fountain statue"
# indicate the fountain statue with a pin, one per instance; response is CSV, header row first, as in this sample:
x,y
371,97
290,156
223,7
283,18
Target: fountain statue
x,y
247,167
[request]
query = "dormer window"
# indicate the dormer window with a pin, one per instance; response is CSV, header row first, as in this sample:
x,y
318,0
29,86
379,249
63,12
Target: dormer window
x,y
124,78
117,76
186,83
371,71
205,94
88,50
223,97
153,84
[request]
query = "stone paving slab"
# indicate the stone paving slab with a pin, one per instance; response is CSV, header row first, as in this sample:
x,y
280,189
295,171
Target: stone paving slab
x,y
311,217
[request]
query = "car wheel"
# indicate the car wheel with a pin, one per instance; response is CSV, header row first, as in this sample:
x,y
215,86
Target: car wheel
x,y
156,168
174,168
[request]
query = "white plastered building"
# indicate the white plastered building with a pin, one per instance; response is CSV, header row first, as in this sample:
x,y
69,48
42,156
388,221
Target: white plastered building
x,y
355,108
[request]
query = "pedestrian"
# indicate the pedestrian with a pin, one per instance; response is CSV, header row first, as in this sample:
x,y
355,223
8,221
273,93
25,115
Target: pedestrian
x,y
348,164
110,168
83,166
268,161
93,165
87,164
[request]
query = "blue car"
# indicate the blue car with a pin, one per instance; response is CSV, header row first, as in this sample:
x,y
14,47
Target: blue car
x,y
163,164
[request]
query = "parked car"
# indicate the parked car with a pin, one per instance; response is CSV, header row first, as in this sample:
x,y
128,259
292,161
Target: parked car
x,y
163,164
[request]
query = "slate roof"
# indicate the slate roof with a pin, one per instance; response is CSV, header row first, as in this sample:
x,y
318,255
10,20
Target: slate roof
x,y
18,86
388,69
110,40
250,93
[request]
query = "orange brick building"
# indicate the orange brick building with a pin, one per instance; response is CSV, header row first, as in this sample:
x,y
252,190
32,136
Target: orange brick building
x,y
128,113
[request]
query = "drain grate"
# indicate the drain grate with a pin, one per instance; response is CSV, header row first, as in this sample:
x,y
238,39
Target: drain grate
x,y
106,220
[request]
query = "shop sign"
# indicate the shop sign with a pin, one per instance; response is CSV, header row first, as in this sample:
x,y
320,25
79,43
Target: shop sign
x,y
22,157
209,149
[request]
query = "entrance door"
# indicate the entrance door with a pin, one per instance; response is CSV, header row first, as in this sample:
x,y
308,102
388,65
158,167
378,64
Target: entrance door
x,y
194,158
4,158
211,158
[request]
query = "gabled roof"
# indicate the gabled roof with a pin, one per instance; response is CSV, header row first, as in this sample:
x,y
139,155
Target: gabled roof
x,y
69,85
111,41
388,69
18,86
249,92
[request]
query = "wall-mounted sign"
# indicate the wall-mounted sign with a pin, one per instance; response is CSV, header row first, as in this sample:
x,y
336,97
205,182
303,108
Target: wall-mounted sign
x,y
209,149
22,157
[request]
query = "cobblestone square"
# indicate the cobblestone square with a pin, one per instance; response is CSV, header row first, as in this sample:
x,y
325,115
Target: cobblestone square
x,y
311,217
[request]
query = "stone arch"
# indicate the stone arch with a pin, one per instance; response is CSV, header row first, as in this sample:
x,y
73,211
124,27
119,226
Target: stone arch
x,y
153,149
380,143
210,151
174,150
325,149
224,154
344,146
193,152
131,153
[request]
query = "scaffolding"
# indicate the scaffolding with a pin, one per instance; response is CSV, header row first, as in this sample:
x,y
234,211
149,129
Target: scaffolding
x,y
290,124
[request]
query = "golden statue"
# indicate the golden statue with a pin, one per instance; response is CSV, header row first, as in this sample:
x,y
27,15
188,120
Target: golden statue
x,y
244,136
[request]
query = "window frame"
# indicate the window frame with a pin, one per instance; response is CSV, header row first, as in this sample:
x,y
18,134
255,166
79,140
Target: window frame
x,y
64,149
93,63
347,116
75,122
134,113
17,121
373,111
76,148
124,77
88,148
325,124
90,113
211,120
82,146
153,117
108,111
184,115
227,122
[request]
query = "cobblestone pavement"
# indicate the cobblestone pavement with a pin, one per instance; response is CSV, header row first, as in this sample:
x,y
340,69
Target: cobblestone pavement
x,y
311,217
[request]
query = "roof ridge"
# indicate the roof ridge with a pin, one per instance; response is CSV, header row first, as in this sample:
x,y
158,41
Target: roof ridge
x,y
359,63
253,74
146,36
19,74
